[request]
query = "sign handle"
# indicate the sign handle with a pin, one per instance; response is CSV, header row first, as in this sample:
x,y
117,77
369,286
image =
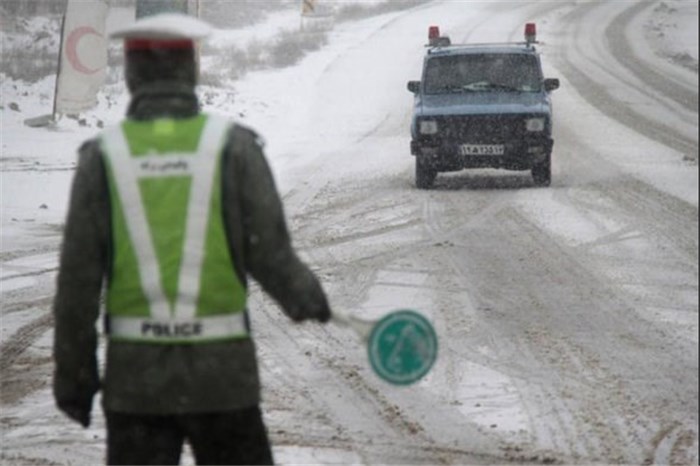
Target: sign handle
x,y
363,328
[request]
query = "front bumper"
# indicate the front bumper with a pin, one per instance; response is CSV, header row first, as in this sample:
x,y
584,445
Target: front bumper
x,y
518,155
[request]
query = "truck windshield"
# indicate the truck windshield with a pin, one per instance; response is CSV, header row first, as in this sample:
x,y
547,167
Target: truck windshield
x,y
509,72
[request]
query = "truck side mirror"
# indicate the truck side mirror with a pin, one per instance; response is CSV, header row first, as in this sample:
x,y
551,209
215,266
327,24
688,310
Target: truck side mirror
x,y
413,86
550,84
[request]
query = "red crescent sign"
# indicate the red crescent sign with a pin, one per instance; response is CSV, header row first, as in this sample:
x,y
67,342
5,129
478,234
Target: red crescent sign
x,y
72,48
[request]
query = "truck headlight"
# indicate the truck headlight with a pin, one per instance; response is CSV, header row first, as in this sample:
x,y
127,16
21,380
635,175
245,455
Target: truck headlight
x,y
428,127
534,124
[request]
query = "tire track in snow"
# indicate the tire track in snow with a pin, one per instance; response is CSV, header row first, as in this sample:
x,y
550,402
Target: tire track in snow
x,y
351,271
578,417
17,381
574,27
668,218
621,50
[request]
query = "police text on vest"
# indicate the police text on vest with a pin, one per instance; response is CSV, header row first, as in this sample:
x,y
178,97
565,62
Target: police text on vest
x,y
171,329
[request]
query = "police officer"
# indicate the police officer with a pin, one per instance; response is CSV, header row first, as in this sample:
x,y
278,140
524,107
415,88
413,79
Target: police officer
x,y
172,210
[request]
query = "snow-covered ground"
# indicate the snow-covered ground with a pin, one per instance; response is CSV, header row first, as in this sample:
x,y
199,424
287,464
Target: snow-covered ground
x,y
567,316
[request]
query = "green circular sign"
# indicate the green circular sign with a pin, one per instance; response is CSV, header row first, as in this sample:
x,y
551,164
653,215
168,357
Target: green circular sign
x,y
402,347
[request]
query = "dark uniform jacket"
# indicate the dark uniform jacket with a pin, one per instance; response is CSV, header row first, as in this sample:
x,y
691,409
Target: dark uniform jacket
x,y
167,378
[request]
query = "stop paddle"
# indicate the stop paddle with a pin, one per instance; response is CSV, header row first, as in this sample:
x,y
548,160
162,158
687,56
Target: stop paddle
x,y
401,346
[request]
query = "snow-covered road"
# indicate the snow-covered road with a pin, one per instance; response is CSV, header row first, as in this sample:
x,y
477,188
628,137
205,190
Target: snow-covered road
x,y
567,316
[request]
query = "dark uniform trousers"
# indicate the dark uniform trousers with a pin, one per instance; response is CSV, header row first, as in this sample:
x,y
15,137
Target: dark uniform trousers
x,y
233,437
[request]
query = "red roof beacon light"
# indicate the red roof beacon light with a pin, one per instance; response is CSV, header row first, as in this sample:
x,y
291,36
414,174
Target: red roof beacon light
x,y
433,35
433,32
530,33
435,39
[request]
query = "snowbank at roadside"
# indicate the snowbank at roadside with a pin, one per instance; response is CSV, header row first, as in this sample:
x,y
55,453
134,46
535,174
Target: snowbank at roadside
x,y
672,32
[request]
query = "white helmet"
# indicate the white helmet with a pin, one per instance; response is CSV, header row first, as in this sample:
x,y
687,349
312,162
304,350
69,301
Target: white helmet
x,y
165,26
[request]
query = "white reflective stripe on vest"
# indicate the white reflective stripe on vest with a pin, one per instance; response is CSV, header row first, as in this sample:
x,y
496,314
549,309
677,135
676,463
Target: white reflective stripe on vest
x,y
204,328
198,209
201,166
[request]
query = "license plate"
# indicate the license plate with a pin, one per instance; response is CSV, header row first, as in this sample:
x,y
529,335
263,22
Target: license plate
x,y
481,149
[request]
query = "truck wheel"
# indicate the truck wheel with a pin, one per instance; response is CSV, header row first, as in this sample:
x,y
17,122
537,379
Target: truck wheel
x,y
542,172
425,176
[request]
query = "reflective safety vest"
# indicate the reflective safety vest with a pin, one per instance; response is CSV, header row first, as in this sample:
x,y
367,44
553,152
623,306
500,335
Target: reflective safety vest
x,y
172,278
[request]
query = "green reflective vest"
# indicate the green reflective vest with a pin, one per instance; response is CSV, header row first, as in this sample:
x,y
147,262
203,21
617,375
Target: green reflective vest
x,y
172,277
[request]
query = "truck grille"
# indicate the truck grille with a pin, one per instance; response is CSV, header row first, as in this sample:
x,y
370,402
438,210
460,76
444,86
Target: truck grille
x,y
486,129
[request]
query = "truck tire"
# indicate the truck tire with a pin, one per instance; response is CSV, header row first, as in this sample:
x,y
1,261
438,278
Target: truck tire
x,y
425,176
542,172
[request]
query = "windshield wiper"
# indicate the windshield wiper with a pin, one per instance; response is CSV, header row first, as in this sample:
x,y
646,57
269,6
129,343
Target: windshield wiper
x,y
449,90
488,86
480,86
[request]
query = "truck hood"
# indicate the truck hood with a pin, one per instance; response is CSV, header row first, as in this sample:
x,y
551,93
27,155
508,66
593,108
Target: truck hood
x,y
483,103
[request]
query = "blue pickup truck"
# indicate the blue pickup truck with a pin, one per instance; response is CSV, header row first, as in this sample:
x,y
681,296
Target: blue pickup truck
x,y
482,105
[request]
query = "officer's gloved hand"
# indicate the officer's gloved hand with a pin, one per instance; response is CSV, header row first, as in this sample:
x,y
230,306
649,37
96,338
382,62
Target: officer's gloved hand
x,y
319,311
310,307
77,410
324,314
